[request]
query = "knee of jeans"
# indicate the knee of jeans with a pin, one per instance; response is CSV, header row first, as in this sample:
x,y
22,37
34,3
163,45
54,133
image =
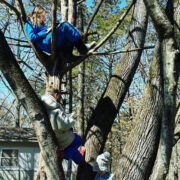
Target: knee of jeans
x,y
65,24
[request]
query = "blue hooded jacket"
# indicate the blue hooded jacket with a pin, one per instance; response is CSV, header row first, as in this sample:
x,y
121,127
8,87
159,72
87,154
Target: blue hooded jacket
x,y
38,35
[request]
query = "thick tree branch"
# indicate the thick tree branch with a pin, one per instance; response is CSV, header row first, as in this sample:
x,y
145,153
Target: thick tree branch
x,y
11,7
168,56
21,9
64,10
108,106
161,22
53,40
34,108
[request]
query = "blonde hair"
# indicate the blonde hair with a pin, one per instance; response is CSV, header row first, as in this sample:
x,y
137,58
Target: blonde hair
x,y
35,15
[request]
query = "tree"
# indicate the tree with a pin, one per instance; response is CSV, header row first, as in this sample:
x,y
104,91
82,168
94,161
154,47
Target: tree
x,y
109,104
139,154
26,95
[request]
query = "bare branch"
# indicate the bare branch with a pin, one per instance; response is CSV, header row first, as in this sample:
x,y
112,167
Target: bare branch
x,y
37,73
16,39
114,28
92,17
20,45
121,51
161,22
79,2
21,10
11,7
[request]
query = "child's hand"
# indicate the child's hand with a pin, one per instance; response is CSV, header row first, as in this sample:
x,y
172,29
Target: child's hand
x,y
70,116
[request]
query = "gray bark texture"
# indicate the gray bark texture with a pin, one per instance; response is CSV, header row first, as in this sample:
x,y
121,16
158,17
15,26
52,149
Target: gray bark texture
x,y
34,108
174,168
81,81
168,55
110,102
64,10
140,150
72,12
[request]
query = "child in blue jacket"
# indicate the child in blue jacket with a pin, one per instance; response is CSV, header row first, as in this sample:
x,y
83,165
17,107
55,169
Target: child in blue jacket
x,y
66,35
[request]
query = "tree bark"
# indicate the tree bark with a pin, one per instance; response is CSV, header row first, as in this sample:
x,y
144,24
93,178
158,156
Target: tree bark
x,y
168,55
34,108
64,10
81,80
174,168
18,108
110,102
72,12
140,150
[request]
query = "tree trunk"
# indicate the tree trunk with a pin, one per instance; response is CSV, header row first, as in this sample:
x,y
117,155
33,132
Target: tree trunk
x,y
72,12
52,82
18,108
139,153
174,168
64,10
34,108
168,55
108,106
81,80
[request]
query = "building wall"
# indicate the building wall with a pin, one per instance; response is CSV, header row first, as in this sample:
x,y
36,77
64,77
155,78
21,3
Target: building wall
x,y
28,158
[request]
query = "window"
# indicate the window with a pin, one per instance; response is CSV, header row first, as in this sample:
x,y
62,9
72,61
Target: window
x,y
9,157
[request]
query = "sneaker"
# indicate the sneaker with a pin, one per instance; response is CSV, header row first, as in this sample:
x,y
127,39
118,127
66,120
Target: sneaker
x,y
91,45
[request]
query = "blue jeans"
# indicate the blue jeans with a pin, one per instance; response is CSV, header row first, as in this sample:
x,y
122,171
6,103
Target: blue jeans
x,y
66,35
71,152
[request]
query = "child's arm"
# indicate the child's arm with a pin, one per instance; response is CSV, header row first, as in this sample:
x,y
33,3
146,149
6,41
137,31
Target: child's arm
x,y
64,122
32,35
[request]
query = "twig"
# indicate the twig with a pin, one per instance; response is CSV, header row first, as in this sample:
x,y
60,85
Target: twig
x,y
11,7
16,39
79,2
38,74
114,28
92,17
121,51
20,45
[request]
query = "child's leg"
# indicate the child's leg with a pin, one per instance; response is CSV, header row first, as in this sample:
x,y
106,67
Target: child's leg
x,y
73,148
77,157
66,34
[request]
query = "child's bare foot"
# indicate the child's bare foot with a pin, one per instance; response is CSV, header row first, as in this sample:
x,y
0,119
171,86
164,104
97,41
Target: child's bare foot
x,y
82,150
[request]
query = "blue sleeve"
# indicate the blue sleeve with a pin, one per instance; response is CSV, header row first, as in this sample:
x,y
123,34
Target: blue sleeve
x,y
32,35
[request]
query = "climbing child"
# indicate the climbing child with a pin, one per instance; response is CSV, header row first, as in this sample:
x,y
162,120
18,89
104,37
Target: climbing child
x,y
102,167
62,124
66,35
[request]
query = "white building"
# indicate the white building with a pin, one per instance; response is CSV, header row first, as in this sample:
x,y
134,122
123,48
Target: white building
x,y
19,154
